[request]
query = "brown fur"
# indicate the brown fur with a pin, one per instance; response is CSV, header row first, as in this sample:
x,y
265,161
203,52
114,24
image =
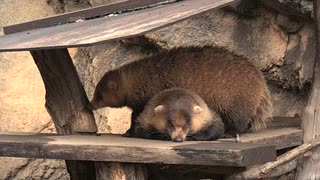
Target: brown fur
x,y
227,82
178,112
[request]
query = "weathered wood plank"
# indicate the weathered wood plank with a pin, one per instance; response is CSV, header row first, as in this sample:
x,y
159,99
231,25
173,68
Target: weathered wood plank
x,y
107,29
281,138
80,14
283,132
115,148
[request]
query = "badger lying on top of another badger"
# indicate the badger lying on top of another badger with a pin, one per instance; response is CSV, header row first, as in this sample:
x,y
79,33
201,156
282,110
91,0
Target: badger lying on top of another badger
x,y
178,114
228,83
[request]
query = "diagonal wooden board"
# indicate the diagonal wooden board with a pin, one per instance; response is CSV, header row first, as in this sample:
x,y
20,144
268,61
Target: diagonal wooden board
x,y
115,148
73,16
108,28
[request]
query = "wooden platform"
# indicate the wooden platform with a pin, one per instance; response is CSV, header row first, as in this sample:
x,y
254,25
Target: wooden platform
x,y
106,28
283,132
253,148
120,149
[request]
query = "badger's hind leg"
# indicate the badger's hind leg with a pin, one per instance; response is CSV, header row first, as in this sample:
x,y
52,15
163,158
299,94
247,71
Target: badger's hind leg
x,y
236,123
212,132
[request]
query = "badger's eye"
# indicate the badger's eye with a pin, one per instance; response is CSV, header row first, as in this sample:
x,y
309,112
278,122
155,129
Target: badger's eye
x,y
185,127
98,96
170,125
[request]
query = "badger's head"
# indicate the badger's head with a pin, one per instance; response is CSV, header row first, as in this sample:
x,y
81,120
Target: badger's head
x,y
109,92
177,119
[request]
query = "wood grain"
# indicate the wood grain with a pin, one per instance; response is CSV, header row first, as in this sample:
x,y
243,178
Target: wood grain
x,y
311,116
66,99
108,29
65,102
114,148
76,15
283,132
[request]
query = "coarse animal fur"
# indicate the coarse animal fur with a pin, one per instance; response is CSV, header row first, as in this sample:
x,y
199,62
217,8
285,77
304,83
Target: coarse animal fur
x,y
178,114
228,83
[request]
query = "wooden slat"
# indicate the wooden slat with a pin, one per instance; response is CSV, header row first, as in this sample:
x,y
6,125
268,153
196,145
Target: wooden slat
x,y
284,132
80,14
106,29
120,149
281,138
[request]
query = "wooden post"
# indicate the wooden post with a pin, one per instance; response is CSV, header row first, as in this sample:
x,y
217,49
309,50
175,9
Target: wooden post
x,y
311,116
66,103
66,99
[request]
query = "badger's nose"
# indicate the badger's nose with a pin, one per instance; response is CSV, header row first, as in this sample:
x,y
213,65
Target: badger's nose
x,y
178,139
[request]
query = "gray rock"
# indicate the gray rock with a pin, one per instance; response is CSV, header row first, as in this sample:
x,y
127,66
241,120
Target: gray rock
x,y
288,24
295,8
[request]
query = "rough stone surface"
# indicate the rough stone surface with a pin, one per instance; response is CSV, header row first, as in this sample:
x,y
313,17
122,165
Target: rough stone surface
x,y
22,96
295,8
288,24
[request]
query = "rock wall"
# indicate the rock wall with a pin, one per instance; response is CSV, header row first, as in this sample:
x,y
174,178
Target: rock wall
x,y
22,93
282,46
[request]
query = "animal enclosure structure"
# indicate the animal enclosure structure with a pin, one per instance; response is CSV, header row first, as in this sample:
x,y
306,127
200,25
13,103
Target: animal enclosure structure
x,y
76,140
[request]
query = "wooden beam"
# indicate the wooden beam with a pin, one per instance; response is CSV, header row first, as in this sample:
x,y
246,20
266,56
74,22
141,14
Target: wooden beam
x,y
311,116
108,29
80,14
115,148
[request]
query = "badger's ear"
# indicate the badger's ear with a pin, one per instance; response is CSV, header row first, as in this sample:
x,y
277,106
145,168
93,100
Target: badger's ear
x,y
158,109
113,85
197,109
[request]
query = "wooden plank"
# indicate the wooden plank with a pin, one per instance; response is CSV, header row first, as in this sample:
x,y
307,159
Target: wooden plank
x,y
80,14
281,138
108,29
284,132
116,148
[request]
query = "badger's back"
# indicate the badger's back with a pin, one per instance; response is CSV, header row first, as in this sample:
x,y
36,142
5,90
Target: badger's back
x,y
227,82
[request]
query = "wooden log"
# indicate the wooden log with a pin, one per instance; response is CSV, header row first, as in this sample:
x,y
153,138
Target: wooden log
x,y
66,99
65,102
106,171
311,116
